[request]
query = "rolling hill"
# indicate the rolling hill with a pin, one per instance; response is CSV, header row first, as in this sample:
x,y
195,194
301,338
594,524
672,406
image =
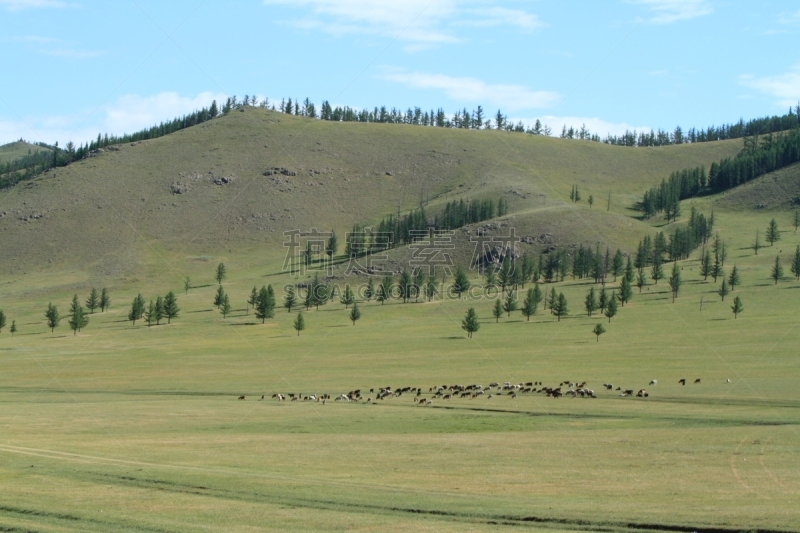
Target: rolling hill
x,y
17,149
203,190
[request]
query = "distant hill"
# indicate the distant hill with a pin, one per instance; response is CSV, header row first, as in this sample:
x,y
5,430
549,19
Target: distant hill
x,y
17,149
241,180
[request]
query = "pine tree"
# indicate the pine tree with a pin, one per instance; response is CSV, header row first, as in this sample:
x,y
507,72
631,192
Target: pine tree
x,y
529,304
757,243
733,279
252,299
590,303
370,290
355,313
218,296
430,287
187,284
561,306
137,309
491,279
598,330
716,268
675,280
538,297
221,273
497,310
52,317
796,263
602,301
510,303
577,194
308,301
105,300
773,235
159,310
2,320
705,265
225,306
737,306
419,283
77,316
460,282
332,246
299,323
625,291
347,297
611,308
777,269
617,263
171,308
796,219
504,276
93,301
630,273
405,285
552,300
290,300
13,327
470,323
723,289
591,201
641,281
657,273
382,294
528,267
150,314
265,306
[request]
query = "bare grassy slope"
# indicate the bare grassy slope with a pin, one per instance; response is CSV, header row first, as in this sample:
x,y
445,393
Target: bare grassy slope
x,y
776,190
170,196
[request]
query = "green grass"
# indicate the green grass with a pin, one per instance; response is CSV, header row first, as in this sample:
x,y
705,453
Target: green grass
x,y
130,428
137,428
17,149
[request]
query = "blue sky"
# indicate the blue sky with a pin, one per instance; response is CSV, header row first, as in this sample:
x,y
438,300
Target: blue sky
x,y
72,69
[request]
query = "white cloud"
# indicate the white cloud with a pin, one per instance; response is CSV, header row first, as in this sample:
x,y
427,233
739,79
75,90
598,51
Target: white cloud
x,y
784,87
19,5
792,19
669,11
419,23
593,124
473,90
499,16
127,114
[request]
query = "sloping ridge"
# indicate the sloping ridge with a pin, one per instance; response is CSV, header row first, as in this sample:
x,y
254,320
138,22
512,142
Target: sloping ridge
x,y
776,190
243,179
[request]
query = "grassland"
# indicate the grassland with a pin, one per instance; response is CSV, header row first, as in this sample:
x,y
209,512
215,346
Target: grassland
x,y
130,428
11,151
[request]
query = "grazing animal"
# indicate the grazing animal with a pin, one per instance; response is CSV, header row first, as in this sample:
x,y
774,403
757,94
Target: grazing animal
x,y
513,395
653,382
729,381
682,381
697,380
241,397
641,394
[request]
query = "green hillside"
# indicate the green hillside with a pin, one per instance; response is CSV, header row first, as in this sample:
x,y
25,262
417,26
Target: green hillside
x,y
173,427
18,149
161,194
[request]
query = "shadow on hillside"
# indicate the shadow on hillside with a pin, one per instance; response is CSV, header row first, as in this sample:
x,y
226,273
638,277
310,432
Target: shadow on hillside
x,y
248,324
339,326
202,311
200,286
454,337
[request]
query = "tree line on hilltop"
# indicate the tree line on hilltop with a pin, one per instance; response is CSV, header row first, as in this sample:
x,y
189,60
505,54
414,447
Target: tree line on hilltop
x,y
32,164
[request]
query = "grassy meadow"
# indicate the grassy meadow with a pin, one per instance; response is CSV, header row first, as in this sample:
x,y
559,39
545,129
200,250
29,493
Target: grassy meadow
x,y
137,428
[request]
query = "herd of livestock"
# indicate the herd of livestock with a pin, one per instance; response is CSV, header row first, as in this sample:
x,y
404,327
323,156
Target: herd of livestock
x,y
447,392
